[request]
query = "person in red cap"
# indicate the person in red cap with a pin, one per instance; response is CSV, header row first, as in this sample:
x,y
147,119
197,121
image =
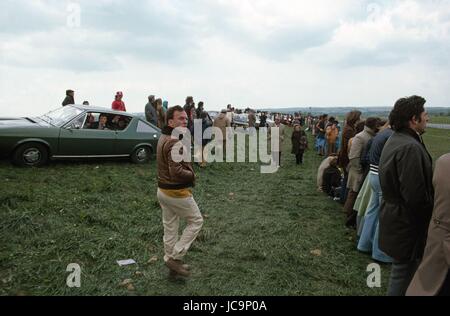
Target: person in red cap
x,y
118,104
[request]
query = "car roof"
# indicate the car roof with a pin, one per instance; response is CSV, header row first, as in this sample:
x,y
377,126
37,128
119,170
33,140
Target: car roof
x,y
101,109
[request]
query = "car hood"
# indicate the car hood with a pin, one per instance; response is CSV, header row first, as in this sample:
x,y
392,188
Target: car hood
x,y
10,122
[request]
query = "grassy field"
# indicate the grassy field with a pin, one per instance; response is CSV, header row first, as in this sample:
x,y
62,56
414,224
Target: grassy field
x,y
440,119
262,233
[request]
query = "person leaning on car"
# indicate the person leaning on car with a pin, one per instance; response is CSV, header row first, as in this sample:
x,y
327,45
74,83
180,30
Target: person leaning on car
x,y
175,180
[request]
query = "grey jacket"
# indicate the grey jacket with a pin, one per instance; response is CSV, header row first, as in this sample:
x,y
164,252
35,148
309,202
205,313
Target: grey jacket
x,y
150,114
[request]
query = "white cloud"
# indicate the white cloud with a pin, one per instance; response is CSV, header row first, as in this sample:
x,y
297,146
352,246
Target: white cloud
x,y
257,53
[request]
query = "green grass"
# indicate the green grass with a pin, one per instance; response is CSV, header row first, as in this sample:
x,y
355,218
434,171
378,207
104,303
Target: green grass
x,y
437,142
440,119
255,242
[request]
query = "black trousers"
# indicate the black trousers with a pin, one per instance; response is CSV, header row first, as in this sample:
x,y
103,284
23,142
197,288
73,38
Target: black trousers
x,y
401,275
299,157
445,290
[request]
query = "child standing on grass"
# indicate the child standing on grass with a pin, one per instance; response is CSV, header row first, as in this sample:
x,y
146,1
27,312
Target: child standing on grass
x,y
299,143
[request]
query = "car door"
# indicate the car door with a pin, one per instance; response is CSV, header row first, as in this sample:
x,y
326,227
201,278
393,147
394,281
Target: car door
x,y
137,132
78,140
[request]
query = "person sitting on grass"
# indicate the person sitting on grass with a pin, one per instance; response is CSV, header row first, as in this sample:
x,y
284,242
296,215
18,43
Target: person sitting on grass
x,y
332,179
324,165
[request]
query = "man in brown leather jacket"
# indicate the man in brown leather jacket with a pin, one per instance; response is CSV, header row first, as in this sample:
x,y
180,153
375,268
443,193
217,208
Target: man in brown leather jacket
x,y
175,180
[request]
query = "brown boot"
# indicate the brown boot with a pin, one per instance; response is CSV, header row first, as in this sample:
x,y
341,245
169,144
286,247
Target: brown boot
x,y
186,267
177,267
173,274
350,202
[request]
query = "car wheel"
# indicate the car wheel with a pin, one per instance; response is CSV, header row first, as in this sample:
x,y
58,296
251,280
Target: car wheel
x,y
30,155
141,155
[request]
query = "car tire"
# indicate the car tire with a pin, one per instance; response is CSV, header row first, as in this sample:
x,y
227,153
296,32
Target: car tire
x,y
141,155
30,155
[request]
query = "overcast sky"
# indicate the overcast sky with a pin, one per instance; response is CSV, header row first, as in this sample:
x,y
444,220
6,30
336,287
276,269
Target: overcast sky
x,y
256,53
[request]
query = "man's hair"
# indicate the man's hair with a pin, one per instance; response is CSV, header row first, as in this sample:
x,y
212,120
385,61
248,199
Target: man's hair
x,y
353,117
373,123
360,127
333,162
171,111
405,109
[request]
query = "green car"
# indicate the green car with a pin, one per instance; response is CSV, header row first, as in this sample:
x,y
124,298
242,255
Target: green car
x,y
77,131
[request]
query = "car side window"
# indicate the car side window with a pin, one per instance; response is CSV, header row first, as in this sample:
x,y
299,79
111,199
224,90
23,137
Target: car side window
x,y
119,122
91,121
145,128
77,123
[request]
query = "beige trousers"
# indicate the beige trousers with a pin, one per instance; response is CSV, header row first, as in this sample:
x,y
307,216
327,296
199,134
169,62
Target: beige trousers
x,y
172,210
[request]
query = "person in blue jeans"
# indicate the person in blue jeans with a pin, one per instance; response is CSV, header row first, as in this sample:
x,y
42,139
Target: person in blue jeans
x,y
320,139
368,241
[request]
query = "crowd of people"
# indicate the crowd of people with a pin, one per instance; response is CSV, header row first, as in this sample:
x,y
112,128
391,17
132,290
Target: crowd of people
x,y
382,174
379,170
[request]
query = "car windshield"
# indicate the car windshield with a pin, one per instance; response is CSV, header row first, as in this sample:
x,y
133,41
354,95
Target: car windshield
x,y
61,116
241,117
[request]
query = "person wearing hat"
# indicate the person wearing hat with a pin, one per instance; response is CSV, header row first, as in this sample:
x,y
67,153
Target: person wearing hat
x,y
69,98
118,104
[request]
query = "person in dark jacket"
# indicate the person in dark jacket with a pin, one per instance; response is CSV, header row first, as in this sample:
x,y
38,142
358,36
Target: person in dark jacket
x,y
150,111
405,172
299,143
331,179
70,99
263,120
